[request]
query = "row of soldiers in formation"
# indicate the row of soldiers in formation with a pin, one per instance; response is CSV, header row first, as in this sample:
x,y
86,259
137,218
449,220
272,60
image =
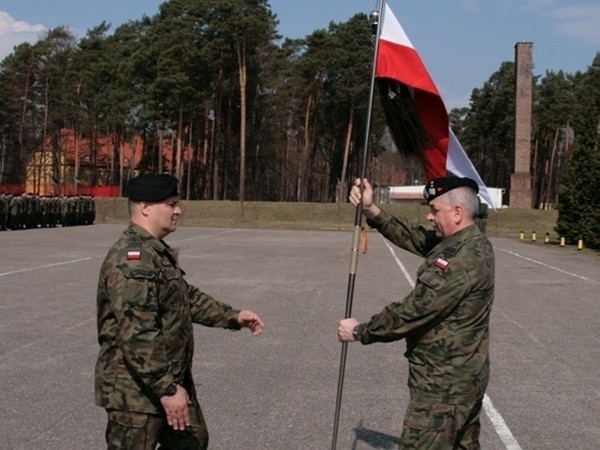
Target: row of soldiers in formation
x,y
24,211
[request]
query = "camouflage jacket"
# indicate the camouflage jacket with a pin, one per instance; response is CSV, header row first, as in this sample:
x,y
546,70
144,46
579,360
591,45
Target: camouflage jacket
x,y
445,318
145,315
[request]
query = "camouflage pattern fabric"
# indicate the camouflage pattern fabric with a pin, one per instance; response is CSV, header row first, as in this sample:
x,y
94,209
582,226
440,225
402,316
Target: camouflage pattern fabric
x,y
145,315
445,318
129,430
3,212
432,425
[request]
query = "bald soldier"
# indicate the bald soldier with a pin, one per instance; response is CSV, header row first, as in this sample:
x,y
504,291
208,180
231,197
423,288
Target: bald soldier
x,y
145,314
444,319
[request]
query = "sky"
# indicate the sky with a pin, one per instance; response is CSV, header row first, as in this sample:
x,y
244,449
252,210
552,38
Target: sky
x,y
461,42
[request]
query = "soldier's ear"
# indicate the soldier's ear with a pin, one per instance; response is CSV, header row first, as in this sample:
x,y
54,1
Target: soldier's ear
x,y
145,208
459,213
139,208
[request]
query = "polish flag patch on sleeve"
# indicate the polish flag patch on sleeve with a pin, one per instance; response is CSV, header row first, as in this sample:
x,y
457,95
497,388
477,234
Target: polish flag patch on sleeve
x,y
441,263
133,255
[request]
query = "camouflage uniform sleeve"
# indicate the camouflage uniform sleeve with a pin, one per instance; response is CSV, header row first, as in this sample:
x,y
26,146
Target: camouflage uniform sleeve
x,y
210,312
134,297
415,239
436,293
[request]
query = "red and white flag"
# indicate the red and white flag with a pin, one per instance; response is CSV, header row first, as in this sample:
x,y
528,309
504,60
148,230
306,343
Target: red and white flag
x,y
414,109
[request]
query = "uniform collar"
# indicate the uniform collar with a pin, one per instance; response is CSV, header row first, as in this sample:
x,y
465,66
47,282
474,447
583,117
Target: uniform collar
x,y
158,244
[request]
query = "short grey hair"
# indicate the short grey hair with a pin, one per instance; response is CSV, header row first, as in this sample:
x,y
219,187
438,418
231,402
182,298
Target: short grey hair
x,y
464,196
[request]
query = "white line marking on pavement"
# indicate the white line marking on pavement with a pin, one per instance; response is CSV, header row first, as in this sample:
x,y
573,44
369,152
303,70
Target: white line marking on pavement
x,y
73,261
497,421
402,268
31,344
30,269
546,265
523,329
500,425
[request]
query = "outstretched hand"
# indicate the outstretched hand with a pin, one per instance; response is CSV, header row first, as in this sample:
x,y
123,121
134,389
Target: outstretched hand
x,y
249,319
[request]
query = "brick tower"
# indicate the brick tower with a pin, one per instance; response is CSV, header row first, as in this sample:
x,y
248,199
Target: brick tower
x,y
520,179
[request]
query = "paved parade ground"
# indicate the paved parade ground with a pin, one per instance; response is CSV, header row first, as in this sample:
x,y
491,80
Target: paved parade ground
x,y
278,391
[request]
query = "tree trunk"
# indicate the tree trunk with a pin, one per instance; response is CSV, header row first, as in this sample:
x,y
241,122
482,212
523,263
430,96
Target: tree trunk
x,y
216,144
284,187
179,143
551,169
347,144
241,54
303,157
190,161
24,115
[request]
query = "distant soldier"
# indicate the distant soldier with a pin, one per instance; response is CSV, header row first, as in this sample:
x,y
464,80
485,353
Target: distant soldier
x,y
444,319
92,218
16,212
145,315
3,211
64,210
482,216
29,211
9,208
54,211
77,210
44,210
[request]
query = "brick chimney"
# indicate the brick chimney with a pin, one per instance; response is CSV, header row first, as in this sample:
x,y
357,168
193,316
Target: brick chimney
x,y
520,180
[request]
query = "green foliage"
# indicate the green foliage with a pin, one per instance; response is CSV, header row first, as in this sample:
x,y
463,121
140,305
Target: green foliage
x,y
213,82
579,203
486,129
579,199
552,134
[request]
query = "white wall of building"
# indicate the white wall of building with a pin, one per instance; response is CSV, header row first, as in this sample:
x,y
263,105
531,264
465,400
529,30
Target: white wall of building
x,y
408,193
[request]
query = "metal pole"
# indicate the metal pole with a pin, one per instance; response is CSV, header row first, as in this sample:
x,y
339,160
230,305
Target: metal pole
x,y
375,23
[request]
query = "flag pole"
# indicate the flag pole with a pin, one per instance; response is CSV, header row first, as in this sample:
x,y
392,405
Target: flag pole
x,y
375,20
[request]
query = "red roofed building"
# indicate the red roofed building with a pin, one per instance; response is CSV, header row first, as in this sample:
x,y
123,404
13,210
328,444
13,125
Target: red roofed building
x,y
82,165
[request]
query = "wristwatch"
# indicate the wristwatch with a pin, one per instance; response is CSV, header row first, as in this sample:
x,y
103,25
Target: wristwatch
x,y
171,389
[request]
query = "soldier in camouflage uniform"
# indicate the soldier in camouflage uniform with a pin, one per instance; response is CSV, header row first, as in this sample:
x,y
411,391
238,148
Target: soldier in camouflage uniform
x,y
145,313
3,211
444,319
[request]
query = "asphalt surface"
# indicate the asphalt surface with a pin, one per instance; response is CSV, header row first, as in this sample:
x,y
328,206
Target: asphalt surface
x,y
278,391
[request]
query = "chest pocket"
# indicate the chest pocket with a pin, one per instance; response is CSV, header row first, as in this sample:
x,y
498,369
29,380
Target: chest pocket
x,y
140,288
432,279
429,283
171,288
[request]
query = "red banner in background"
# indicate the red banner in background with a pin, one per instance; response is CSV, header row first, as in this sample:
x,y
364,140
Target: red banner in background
x,y
94,191
105,191
12,189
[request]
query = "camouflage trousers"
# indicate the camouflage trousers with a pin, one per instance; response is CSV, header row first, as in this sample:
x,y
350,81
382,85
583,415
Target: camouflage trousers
x,y
128,430
440,424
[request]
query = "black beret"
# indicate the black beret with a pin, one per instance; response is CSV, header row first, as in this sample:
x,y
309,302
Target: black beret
x,y
152,187
440,186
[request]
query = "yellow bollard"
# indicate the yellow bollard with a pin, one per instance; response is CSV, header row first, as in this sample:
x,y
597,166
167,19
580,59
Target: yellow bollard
x,y
533,236
522,235
547,238
580,244
562,241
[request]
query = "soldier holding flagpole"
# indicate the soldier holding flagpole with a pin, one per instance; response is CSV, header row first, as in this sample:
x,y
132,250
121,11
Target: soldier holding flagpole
x,y
444,319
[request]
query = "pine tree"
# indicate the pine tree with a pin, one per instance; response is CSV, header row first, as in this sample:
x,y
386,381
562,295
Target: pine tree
x,y
579,201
